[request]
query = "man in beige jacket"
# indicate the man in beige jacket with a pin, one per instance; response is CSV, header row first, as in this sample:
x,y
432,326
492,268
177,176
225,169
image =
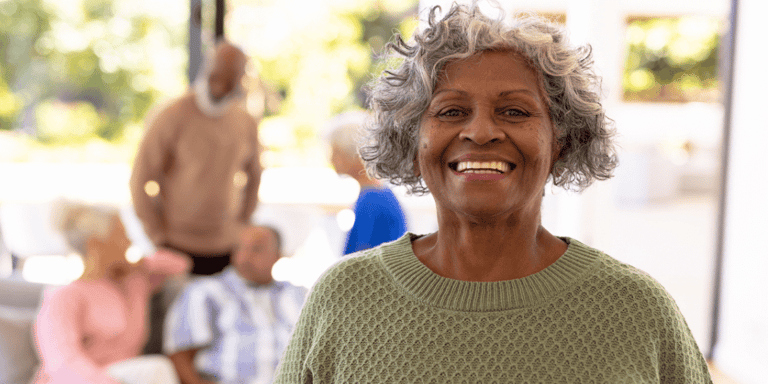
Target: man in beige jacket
x,y
196,175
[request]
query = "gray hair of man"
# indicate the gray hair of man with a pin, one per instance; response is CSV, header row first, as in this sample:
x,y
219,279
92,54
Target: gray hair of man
x,y
345,131
78,222
402,93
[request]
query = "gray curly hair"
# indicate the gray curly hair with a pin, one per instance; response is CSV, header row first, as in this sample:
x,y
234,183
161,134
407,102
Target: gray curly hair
x,y
402,93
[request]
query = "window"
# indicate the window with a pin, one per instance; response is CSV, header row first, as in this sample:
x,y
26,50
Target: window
x,y
672,59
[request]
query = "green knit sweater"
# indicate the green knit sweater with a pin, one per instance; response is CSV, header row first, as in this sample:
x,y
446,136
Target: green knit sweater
x,y
384,317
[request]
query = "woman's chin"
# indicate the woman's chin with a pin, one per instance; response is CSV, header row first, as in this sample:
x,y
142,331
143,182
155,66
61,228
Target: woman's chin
x,y
486,212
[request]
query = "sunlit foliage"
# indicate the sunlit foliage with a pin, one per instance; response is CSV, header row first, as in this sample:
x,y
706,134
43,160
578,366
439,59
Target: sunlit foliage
x,y
672,59
84,73
79,70
317,56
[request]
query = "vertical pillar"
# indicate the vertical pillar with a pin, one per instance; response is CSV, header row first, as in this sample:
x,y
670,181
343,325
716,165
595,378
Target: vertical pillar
x,y
725,69
220,11
195,39
742,347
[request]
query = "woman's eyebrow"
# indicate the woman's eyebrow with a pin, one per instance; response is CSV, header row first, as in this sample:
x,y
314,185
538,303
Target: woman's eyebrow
x,y
501,94
444,90
526,94
516,91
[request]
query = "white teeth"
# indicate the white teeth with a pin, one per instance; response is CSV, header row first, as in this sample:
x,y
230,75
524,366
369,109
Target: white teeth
x,y
481,171
482,167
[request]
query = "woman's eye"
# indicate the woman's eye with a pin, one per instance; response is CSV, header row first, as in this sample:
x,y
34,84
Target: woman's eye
x,y
514,112
453,112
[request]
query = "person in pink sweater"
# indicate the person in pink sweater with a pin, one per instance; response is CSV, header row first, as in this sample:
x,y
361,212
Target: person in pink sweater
x,y
92,330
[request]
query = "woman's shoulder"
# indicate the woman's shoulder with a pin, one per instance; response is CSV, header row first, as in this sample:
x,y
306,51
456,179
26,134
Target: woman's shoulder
x,y
607,265
620,280
362,267
75,288
379,196
71,295
350,266
622,274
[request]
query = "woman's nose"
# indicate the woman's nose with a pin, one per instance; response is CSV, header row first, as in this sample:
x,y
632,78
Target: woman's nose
x,y
482,130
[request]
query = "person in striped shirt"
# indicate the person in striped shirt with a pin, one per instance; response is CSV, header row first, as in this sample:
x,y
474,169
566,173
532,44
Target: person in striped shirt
x,y
232,327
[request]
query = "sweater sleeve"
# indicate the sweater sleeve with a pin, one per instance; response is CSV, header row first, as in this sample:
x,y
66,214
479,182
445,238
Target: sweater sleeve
x,y
680,359
164,263
293,366
59,336
151,159
253,171
312,344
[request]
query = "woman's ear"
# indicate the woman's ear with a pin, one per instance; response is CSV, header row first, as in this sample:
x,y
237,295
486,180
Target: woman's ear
x,y
557,154
416,169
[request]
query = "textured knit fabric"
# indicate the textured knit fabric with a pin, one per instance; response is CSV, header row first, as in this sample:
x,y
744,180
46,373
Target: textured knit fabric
x,y
88,325
208,172
383,317
378,219
241,330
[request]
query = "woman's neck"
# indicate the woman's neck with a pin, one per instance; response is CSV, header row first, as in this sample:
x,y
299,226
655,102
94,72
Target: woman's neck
x,y
112,273
489,250
366,182
92,272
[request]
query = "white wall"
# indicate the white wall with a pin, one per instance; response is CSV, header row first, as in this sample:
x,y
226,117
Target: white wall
x,y
742,350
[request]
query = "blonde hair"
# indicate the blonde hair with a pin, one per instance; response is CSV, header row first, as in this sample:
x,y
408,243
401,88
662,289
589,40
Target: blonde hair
x,y
79,222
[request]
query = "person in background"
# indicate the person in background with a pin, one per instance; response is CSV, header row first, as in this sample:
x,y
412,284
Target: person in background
x,y
233,327
482,112
92,330
196,175
378,215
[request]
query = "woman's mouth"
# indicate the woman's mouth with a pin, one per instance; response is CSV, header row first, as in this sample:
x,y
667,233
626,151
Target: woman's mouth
x,y
482,167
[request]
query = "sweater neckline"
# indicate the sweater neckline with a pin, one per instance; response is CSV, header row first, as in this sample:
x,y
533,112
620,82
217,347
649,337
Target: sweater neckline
x,y
442,292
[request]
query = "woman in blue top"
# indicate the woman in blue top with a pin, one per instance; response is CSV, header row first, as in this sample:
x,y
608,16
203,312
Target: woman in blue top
x,y
378,215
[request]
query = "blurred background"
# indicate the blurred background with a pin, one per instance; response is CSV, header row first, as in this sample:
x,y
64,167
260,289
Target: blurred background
x,y
78,77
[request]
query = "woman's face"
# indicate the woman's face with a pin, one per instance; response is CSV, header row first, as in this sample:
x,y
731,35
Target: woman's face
x,y
486,142
343,163
108,256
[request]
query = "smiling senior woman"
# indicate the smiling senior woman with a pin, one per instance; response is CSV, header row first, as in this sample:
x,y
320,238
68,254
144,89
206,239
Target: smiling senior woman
x,y
484,113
